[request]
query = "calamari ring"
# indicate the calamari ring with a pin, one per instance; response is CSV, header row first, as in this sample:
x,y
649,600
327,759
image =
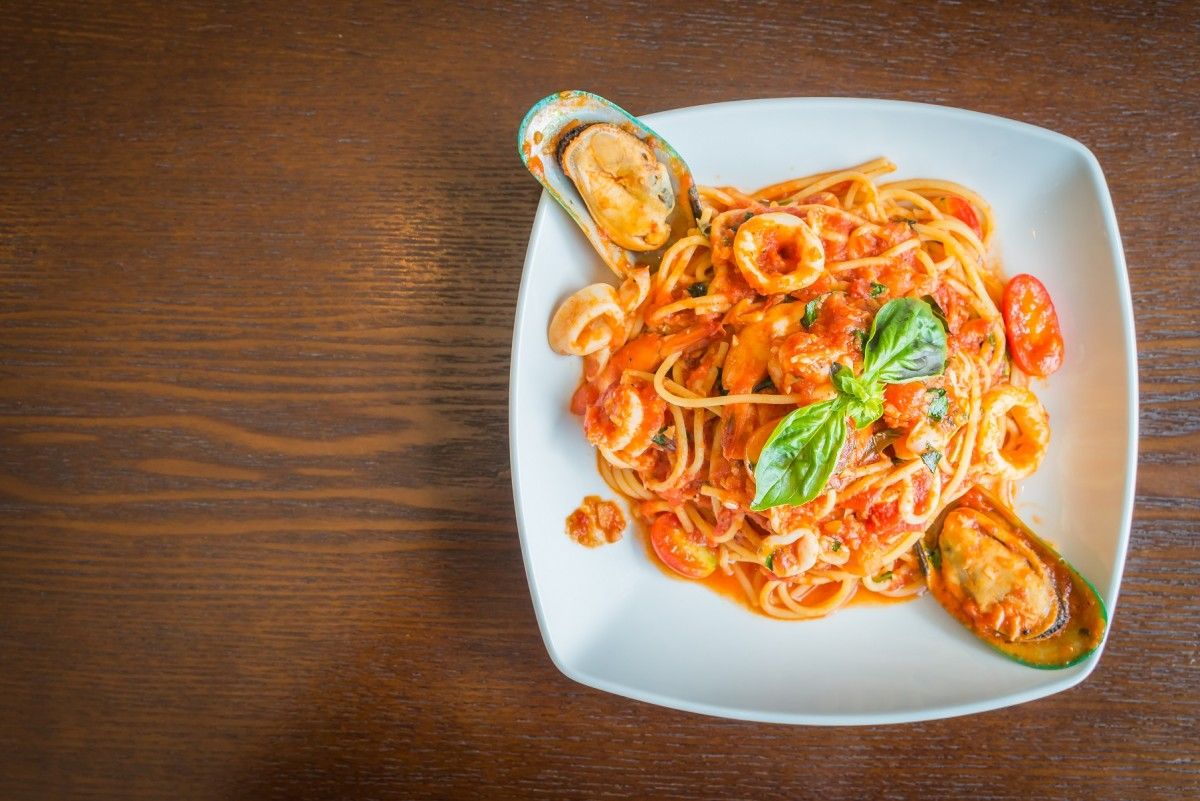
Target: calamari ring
x,y
778,253
1021,454
634,289
588,321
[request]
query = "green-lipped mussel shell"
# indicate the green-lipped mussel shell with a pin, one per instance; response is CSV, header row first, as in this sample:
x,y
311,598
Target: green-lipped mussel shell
x,y
1008,587
543,141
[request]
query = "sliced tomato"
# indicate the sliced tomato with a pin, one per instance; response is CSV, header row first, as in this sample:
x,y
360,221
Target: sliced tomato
x,y
1034,337
956,206
685,552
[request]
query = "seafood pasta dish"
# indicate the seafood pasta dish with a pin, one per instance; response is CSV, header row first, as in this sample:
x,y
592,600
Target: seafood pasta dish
x,y
816,388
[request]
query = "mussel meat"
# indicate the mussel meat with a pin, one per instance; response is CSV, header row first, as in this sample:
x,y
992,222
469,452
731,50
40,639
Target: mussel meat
x,y
1008,587
625,187
628,190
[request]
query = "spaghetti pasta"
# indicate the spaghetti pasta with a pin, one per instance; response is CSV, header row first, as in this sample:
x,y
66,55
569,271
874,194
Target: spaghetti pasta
x,y
689,371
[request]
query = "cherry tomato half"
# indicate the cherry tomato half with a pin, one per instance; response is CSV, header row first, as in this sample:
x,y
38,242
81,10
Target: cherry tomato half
x,y
955,206
687,553
1034,337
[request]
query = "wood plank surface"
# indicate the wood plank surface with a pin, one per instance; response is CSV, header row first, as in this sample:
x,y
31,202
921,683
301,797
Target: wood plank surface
x,y
258,269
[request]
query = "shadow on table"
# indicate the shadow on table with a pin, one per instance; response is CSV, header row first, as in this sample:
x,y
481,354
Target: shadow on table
x,y
416,695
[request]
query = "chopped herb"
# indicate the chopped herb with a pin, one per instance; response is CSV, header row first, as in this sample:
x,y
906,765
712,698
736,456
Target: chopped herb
x,y
939,405
771,562
991,340
662,440
812,310
937,311
882,577
835,546
912,224
931,459
764,385
698,290
861,336
935,558
882,439
877,289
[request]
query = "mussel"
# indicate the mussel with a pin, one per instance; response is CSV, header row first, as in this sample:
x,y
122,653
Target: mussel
x,y
629,191
1008,587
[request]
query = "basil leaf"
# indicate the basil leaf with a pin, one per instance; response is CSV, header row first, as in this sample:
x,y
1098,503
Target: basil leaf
x,y
812,310
931,459
861,336
939,406
865,411
799,456
877,289
906,343
937,311
698,290
882,439
864,400
845,382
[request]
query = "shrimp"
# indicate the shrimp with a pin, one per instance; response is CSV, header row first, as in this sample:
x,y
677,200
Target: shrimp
x,y
644,353
746,365
626,417
801,362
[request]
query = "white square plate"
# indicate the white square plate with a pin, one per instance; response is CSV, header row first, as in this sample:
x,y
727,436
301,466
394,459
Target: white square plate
x,y
611,619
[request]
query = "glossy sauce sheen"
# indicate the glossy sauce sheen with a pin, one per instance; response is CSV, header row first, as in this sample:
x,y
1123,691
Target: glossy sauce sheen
x,y
728,586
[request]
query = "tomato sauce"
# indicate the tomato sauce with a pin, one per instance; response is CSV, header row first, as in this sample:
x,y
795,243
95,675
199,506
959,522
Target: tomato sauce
x,y
729,587
596,522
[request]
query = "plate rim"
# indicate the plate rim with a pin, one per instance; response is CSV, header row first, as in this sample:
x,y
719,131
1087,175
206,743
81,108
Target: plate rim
x,y
1125,302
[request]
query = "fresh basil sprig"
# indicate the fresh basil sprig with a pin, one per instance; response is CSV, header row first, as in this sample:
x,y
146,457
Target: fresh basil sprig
x,y
862,398
799,457
906,343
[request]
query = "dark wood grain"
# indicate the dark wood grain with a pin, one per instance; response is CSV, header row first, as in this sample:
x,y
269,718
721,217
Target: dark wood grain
x,y
258,266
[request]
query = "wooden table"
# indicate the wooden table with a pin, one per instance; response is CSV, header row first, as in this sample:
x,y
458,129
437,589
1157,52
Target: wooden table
x,y
258,268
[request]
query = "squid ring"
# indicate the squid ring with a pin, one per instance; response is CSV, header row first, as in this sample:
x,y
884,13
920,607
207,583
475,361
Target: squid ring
x,y
1017,456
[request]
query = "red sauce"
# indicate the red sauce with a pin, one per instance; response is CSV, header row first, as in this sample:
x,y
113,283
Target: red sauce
x,y
596,522
729,587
